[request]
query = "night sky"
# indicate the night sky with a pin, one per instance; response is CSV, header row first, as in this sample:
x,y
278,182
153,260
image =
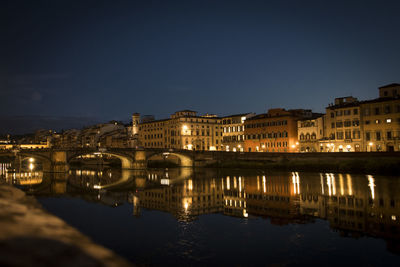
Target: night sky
x,y
103,60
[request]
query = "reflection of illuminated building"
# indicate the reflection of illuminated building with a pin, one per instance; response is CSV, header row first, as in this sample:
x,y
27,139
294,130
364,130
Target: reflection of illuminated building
x,y
275,197
25,178
189,197
356,207
234,196
93,179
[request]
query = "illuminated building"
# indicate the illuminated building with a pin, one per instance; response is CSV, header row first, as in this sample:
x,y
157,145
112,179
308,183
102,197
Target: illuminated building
x,y
184,130
381,120
275,131
310,131
233,132
343,128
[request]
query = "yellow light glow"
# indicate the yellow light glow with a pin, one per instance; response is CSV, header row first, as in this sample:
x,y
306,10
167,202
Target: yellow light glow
x,y
322,183
264,185
329,184
293,146
31,166
371,184
190,184
245,214
31,160
341,184
370,144
349,184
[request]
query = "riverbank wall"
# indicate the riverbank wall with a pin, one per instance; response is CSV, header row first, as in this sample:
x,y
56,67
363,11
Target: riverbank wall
x,y
30,236
371,163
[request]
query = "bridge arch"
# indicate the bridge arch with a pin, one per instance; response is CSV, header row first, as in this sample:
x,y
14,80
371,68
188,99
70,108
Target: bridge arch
x,y
126,161
44,160
184,160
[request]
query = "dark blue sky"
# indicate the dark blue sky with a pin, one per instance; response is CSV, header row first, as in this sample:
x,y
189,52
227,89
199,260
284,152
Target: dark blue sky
x,y
107,59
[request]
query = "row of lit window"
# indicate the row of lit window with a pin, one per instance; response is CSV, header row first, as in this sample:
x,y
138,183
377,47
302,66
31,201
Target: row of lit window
x,y
378,135
346,112
388,121
267,135
234,129
348,123
266,124
378,110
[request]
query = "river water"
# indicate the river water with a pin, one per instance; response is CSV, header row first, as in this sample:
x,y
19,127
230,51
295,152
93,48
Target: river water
x,y
227,217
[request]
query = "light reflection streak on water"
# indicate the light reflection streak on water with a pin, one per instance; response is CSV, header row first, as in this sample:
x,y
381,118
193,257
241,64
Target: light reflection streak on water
x,y
341,184
322,183
349,184
264,184
371,184
329,184
333,184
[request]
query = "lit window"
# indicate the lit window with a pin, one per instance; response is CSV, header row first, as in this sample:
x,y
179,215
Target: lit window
x,y
388,120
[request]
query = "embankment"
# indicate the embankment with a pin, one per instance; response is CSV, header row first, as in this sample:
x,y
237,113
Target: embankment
x,y
371,163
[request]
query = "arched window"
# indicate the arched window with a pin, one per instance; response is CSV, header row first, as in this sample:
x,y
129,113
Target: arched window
x,y
307,136
313,136
302,136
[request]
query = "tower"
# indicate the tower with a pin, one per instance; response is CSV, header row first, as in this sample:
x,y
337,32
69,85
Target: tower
x,y
135,123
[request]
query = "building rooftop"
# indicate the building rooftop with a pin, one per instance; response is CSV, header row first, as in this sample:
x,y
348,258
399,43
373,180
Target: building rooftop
x,y
236,115
377,100
313,116
390,85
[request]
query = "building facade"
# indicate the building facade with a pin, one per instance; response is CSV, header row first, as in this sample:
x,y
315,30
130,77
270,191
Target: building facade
x,y
381,120
233,131
184,130
310,132
275,131
343,130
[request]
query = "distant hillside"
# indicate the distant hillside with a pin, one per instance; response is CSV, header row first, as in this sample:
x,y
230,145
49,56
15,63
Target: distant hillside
x,y
29,124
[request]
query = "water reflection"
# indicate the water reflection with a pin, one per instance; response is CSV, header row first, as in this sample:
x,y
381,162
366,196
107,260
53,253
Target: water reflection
x,y
354,205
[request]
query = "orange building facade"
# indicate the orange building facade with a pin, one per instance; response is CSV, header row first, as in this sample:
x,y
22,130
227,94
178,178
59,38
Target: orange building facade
x,y
275,131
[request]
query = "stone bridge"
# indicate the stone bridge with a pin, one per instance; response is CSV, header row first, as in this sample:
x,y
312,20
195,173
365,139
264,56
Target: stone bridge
x,y
57,160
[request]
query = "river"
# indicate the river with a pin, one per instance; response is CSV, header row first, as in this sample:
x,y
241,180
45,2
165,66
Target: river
x,y
227,216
